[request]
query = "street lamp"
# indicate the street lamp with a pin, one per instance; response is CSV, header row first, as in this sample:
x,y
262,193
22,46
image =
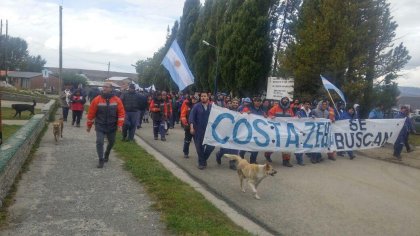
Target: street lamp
x,y
217,64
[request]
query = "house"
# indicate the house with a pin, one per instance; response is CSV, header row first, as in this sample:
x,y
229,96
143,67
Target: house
x,y
32,80
121,81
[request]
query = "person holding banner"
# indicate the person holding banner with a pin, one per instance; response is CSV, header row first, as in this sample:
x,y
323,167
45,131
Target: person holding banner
x,y
281,109
198,120
403,136
348,115
323,111
305,112
255,109
377,112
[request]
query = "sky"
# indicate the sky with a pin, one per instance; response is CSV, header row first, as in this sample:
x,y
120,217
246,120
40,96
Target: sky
x,y
121,32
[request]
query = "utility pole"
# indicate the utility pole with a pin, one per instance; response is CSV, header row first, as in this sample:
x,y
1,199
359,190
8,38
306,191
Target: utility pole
x,y
6,64
1,125
60,70
109,65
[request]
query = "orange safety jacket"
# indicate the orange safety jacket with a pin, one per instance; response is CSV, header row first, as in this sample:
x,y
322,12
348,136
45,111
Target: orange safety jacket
x,y
106,113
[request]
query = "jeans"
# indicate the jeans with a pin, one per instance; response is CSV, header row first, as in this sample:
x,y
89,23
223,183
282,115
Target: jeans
x,y
299,158
252,158
77,116
203,150
159,127
130,123
141,115
65,113
100,136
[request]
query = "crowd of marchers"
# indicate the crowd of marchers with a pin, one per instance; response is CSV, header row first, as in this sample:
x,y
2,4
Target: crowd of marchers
x,y
166,110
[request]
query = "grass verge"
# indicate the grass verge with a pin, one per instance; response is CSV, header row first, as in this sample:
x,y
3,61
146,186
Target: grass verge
x,y
8,130
414,139
9,199
7,113
183,210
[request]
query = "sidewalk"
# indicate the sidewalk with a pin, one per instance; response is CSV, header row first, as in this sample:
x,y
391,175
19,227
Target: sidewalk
x,y
63,193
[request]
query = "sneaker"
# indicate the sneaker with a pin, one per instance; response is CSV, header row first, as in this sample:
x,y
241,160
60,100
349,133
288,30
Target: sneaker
x,y
106,158
77,125
287,163
332,158
398,157
409,150
301,164
156,138
163,139
101,164
352,157
186,156
268,158
201,167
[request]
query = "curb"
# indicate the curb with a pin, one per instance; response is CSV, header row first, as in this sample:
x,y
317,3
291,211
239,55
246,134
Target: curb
x,y
233,214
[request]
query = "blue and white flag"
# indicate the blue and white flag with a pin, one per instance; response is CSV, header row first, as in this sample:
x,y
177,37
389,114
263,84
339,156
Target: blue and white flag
x,y
175,63
328,85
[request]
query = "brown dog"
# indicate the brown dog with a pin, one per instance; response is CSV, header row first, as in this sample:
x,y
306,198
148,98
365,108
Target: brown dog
x,y
58,129
252,173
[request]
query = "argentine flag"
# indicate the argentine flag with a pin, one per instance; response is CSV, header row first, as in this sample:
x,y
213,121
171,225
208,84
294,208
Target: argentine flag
x,y
175,63
328,85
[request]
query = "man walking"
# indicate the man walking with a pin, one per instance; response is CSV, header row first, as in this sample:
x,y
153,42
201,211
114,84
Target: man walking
x,y
131,102
198,119
107,112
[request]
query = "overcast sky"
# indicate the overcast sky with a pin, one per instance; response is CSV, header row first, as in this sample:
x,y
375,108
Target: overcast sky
x,y
123,31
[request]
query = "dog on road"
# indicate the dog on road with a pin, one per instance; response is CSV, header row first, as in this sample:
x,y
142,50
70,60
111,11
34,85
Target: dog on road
x,y
252,173
58,129
24,107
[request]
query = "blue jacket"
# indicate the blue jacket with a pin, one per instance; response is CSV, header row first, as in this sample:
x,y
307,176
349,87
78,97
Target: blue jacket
x,y
407,124
256,111
302,113
376,114
199,118
346,116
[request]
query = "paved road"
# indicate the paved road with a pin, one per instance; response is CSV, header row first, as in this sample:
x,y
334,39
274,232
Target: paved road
x,y
359,197
64,193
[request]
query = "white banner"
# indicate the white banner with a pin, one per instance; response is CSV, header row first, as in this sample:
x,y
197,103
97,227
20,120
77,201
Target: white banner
x,y
277,88
248,132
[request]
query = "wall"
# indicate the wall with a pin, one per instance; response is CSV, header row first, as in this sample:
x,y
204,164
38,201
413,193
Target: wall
x,y
15,150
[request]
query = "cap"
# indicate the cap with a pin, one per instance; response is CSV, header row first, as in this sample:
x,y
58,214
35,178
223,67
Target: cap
x,y
247,100
356,106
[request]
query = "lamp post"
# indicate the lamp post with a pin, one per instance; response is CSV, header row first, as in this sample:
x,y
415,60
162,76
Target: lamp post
x,y
217,64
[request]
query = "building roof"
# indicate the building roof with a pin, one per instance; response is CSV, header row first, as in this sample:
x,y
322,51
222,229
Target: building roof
x,y
118,78
100,84
96,75
23,74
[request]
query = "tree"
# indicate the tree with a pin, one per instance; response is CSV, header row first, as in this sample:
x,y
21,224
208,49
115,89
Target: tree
x,y
187,24
246,53
74,79
17,52
33,64
350,42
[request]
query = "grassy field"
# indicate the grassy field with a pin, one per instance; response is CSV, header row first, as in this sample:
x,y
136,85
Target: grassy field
x,y
414,139
7,113
185,211
8,130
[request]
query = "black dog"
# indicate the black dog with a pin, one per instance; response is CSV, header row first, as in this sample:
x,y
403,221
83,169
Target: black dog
x,y
24,107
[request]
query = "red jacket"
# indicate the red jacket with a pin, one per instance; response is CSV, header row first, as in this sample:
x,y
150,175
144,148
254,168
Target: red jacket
x,y
106,115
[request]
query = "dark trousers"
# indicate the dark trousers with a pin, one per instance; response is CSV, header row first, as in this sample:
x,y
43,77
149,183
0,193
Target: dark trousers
x,y
100,136
65,113
77,116
299,158
130,123
203,150
159,127
187,141
252,158
406,144
141,118
399,144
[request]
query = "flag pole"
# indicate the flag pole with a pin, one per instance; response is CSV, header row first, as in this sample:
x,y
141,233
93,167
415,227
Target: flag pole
x,y
333,103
